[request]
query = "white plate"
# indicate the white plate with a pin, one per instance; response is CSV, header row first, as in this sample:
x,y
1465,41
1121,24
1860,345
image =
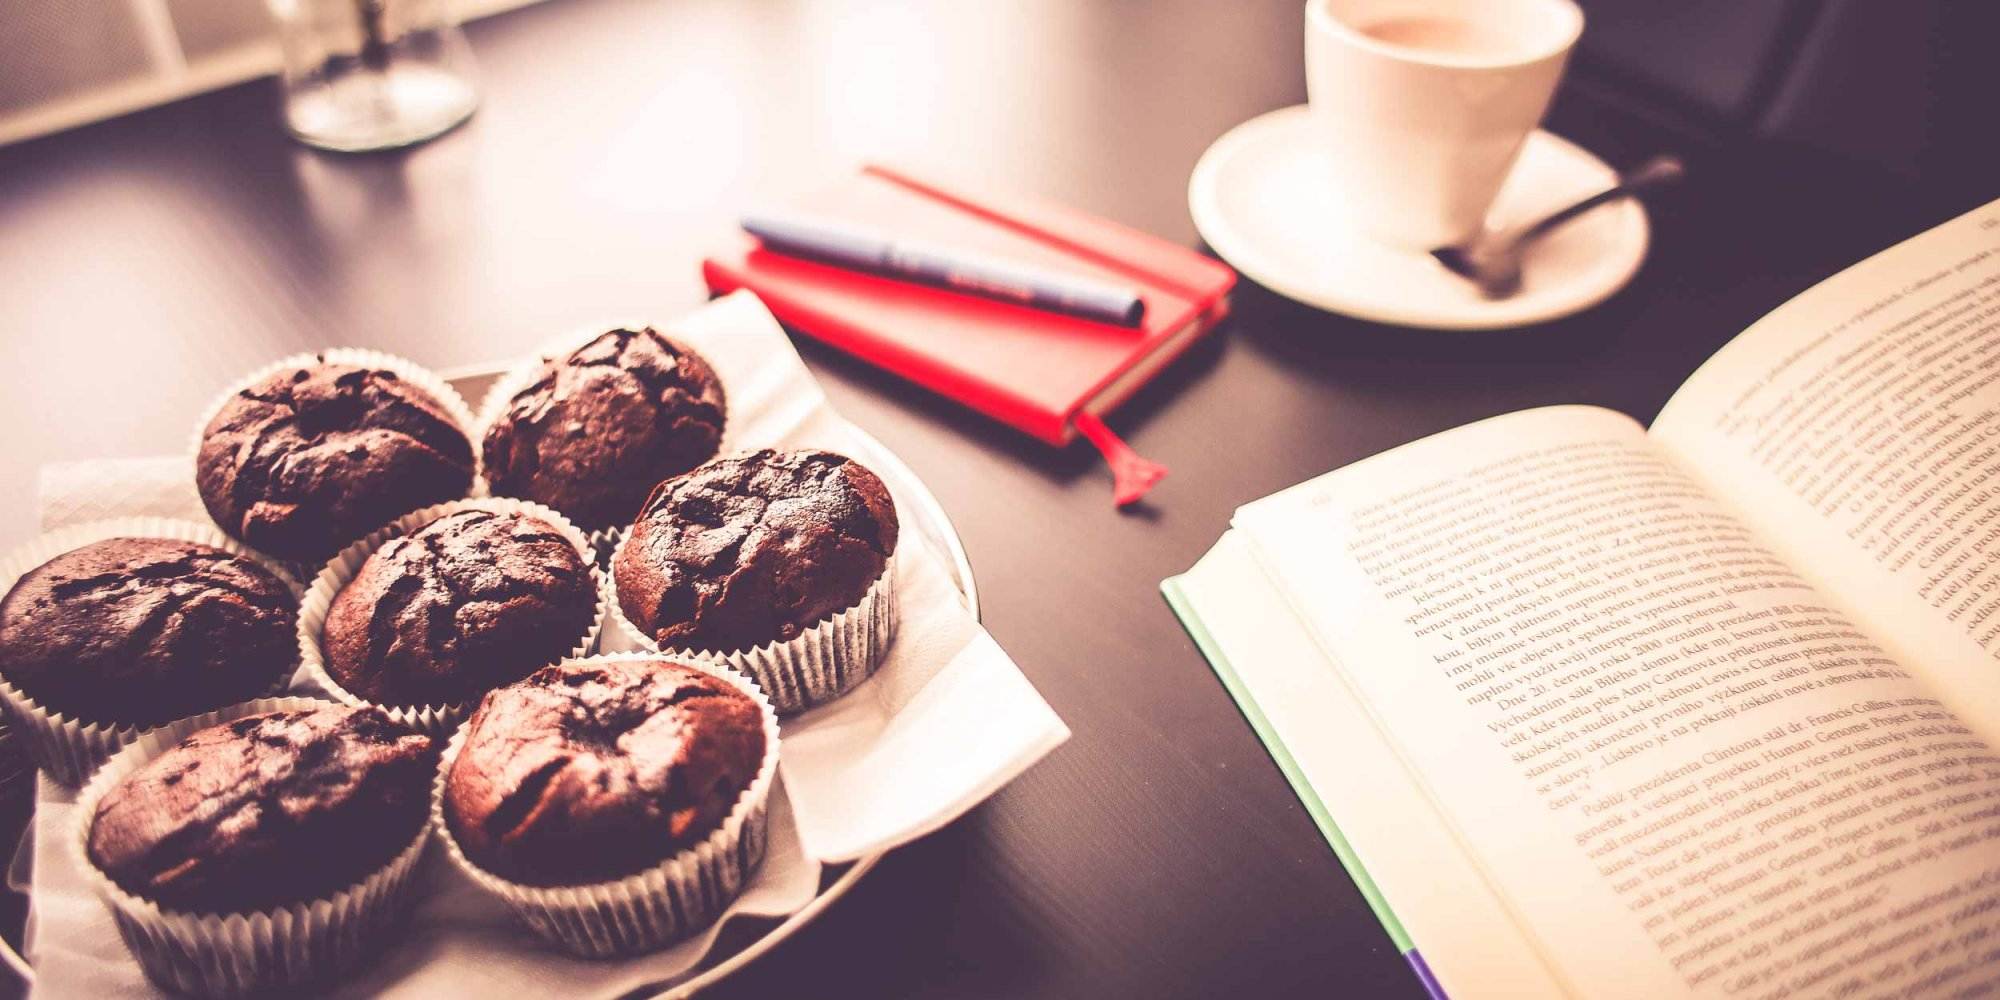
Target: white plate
x,y
1261,199
928,524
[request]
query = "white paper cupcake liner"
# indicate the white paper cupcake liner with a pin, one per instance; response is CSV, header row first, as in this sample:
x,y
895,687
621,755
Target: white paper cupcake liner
x,y
815,667
256,952
656,907
493,405
65,746
405,369
434,720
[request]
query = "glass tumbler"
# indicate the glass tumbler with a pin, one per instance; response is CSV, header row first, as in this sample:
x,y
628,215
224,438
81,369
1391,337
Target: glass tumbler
x,y
373,74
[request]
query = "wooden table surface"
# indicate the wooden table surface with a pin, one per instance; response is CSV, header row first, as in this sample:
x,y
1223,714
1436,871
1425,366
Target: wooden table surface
x,y
146,261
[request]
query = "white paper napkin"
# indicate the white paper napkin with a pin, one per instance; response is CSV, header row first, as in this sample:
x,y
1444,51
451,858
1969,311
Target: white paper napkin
x,y
945,722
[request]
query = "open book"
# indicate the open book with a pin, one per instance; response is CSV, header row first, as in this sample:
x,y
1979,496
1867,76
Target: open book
x,y
1705,710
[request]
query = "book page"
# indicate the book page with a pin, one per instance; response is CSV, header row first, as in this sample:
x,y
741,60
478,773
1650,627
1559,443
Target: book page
x,y
1682,769
1857,429
1467,940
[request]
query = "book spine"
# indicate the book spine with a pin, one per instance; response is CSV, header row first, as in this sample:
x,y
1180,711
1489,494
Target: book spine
x,y
1211,650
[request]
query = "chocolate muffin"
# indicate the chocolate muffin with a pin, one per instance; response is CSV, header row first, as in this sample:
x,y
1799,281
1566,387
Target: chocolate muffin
x,y
265,811
595,770
312,458
139,631
754,548
600,426
468,602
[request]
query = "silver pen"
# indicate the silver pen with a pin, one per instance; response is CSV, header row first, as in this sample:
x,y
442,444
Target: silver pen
x,y
846,246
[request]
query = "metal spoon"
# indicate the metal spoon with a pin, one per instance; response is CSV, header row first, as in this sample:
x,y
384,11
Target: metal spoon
x,y
1492,261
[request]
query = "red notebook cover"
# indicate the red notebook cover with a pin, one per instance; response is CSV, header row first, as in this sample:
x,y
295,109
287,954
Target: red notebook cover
x,y
1046,374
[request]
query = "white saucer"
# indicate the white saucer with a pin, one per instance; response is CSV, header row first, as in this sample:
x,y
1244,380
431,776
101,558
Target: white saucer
x,y
1261,199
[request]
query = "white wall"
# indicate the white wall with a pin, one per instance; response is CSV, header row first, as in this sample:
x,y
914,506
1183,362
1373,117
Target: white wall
x,y
67,62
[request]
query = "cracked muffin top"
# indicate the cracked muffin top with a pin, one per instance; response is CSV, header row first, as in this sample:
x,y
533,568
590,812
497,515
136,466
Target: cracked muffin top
x,y
468,602
598,769
600,426
312,458
137,631
754,548
265,810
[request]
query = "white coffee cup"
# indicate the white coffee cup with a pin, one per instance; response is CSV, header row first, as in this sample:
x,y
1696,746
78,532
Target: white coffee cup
x,y
1421,106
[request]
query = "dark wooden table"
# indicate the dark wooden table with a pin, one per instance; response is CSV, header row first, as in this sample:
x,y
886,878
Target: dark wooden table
x,y
147,260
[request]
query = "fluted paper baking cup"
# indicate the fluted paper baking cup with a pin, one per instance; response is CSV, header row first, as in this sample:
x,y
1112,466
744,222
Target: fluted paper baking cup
x,y
815,667
434,720
656,907
405,369
68,747
256,952
493,405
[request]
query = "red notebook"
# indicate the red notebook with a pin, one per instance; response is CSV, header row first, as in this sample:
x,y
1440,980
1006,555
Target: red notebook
x,y
1049,375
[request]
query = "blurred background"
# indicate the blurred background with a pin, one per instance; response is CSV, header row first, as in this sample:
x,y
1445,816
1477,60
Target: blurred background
x,y
68,62
1905,86
618,138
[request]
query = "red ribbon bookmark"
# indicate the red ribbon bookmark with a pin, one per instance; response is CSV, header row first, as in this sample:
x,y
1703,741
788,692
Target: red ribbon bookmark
x,y
1131,475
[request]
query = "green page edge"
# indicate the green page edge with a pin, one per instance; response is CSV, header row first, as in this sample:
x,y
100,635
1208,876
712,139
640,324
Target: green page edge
x,y
1183,609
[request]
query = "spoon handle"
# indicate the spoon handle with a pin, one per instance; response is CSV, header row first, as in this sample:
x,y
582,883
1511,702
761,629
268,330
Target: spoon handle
x,y
1654,173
